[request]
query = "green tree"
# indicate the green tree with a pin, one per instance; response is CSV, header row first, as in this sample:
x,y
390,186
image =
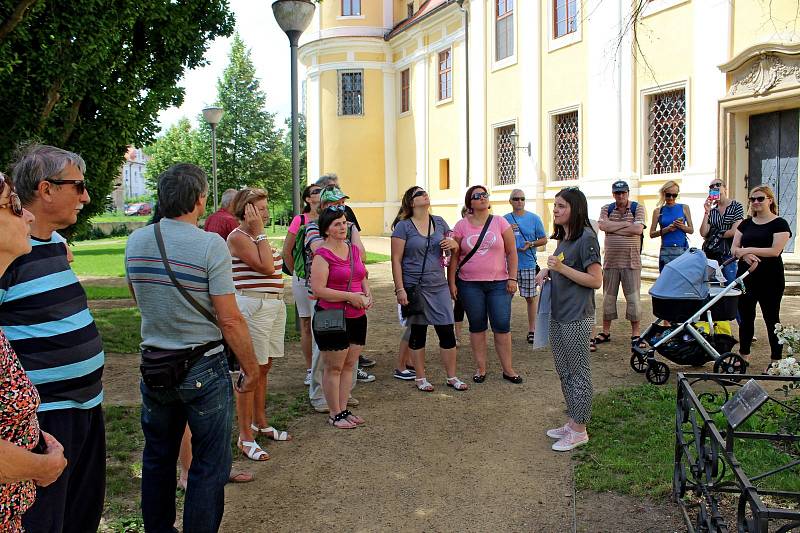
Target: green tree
x,y
92,76
180,144
249,146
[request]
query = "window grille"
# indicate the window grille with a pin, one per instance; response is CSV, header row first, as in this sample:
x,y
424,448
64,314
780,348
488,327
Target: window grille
x,y
667,132
445,75
565,17
506,155
410,9
504,29
351,8
405,89
351,92
566,152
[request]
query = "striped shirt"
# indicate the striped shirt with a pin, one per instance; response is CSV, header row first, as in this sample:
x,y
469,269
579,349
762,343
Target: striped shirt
x,y
247,279
622,251
45,315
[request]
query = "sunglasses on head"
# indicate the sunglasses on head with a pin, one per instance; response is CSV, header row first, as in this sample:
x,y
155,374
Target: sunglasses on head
x,y
479,195
670,195
334,208
517,198
80,185
757,199
716,185
418,193
14,203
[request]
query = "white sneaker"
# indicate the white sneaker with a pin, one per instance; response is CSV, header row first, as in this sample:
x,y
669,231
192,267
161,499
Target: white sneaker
x,y
558,433
570,441
307,381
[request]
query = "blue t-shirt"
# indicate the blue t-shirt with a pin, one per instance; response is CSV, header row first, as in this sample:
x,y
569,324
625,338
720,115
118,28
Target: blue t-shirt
x,y
530,228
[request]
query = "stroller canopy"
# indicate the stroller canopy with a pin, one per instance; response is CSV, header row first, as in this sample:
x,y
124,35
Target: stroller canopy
x,y
683,278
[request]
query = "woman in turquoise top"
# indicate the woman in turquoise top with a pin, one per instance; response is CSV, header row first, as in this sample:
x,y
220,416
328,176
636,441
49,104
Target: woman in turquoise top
x,y
672,222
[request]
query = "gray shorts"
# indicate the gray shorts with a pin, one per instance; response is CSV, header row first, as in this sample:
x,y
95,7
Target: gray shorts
x,y
526,281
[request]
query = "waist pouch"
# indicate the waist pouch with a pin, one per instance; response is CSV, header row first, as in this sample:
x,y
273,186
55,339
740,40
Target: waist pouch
x,y
166,369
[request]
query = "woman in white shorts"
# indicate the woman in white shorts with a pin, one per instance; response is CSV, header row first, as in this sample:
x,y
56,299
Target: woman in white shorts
x,y
258,280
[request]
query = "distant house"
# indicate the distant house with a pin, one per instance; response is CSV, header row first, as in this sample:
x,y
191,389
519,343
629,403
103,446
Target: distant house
x,y
131,181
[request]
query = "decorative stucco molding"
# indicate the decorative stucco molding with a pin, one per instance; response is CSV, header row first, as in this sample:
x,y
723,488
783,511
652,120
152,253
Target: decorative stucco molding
x,y
766,73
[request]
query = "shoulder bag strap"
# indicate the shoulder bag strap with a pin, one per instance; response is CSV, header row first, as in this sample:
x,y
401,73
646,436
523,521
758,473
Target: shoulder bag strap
x,y
477,244
188,297
427,245
531,250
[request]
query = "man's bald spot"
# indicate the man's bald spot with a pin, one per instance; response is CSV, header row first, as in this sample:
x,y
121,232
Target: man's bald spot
x,y
516,192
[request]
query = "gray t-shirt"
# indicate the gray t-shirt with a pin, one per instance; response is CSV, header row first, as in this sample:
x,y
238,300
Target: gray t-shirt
x,y
414,252
202,264
575,302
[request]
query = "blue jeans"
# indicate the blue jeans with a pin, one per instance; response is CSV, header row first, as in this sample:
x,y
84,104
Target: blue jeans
x,y
204,401
482,299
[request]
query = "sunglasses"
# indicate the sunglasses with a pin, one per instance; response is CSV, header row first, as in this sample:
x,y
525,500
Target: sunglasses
x,y
14,203
479,195
757,199
670,195
314,191
715,185
335,208
420,192
80,185
517,198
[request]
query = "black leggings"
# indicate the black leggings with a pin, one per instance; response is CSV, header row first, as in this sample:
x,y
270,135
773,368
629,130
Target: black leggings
x,y
419,332
767,291
458,311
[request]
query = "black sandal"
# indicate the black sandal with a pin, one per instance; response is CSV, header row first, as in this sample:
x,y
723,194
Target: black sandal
x,y
479,378
602,337
592,345
531,336
340,417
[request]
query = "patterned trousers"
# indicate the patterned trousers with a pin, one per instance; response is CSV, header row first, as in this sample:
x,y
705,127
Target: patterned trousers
x,y
570,344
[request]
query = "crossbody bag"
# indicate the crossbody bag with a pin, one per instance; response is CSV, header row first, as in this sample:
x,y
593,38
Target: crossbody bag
x,y
477,245
331,321
415,305
163,369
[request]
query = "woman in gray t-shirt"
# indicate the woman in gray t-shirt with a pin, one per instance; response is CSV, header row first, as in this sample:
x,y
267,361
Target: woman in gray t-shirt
x,y
574,272
418,240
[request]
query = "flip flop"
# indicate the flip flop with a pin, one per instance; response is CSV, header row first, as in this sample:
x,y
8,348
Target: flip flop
x,y
241,477
592,346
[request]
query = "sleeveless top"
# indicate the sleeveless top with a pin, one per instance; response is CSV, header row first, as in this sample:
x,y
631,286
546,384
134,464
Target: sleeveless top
x,y
338,276
247,279
668,215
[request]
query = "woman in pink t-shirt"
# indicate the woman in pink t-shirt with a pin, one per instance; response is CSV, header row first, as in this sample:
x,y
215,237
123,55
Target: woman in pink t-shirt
x,y
486,282
338,286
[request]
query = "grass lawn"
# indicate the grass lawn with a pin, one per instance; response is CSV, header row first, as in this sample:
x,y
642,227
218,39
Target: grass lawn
x,y
106,293
631,450
119,217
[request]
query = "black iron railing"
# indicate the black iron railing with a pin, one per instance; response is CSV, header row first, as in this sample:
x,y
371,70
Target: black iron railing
x,y
705,458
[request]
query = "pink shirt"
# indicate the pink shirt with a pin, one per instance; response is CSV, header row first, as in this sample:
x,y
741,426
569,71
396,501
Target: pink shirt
x,y
294,226
489,262
339,274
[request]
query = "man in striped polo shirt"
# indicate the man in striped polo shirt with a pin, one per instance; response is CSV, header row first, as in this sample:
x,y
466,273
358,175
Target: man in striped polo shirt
x,y
45,315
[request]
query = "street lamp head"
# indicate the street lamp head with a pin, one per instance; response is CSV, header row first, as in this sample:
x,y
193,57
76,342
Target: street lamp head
x,y
293,16
213,115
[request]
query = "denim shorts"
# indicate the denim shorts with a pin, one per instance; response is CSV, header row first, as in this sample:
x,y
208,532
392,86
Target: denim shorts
x,y
486,299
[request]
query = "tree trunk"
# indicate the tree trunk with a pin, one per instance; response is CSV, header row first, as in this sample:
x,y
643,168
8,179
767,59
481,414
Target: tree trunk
x,y
16,17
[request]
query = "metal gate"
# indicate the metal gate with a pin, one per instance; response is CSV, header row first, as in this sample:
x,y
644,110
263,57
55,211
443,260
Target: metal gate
x,y
773,160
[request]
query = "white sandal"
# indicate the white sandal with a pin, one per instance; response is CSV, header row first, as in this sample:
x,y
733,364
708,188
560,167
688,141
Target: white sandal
x,y
271,432
254,451
423,384
456,383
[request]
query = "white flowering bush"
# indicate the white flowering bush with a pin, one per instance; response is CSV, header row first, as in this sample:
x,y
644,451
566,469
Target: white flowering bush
x,y
789,336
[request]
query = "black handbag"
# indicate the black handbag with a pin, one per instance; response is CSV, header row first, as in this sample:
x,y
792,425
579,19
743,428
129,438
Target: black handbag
x,y
163,369
331,321
416,305
715,246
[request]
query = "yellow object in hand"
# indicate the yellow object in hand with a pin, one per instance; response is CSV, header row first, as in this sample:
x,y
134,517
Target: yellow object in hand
x,y
561,257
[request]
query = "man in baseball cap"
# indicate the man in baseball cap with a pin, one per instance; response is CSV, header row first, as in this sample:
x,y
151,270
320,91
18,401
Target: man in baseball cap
x,y
620,186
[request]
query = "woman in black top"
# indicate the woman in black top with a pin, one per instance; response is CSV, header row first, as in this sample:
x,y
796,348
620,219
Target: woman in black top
x,y
759,242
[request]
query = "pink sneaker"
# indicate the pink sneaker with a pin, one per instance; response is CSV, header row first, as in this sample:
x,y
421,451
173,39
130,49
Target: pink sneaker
x,y
570,441
558,433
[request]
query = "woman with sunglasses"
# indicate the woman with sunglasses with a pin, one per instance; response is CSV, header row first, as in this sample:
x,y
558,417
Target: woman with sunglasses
x,y
291,246
675,223
486,281
758,244
721,217
339,281
418,241
28,456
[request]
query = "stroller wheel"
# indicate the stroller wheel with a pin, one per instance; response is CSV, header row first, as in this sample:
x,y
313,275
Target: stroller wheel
x,y
730,363
657,373
638,363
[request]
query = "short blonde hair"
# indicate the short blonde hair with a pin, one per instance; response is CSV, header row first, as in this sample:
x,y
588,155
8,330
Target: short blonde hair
x,y
247,196
662,198
767,190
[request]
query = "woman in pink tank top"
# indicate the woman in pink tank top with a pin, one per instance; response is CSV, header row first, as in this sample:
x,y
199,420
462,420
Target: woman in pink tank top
x,y
338,285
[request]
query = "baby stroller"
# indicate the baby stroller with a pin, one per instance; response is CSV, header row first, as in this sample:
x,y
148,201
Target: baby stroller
x,y
690,289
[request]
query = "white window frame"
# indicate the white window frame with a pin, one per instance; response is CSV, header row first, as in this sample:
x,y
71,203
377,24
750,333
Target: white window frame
x,y
452,74
576,36
656,6
552,147
512,59
495,186
644,134
341,10
340,102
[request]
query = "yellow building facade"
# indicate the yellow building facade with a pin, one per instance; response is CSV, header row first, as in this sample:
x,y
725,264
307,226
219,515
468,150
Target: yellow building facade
x,y
541,95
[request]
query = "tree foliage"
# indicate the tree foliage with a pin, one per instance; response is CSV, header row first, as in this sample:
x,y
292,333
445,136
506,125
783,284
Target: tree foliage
x,y
249,146
180,144
91,76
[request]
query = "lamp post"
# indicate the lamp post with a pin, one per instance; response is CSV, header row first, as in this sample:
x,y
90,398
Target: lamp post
x,y
294,16
213,115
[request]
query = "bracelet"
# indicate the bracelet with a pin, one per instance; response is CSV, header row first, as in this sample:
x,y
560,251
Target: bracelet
x,y
398,290
512,279
260,238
